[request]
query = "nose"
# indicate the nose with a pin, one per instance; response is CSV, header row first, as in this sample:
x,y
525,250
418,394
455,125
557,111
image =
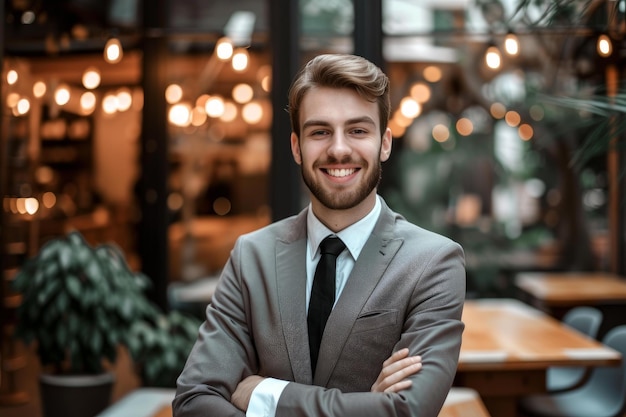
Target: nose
x,y
339,145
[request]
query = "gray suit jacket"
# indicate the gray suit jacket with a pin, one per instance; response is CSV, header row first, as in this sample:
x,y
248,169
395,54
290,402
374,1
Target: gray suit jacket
x,y
407,289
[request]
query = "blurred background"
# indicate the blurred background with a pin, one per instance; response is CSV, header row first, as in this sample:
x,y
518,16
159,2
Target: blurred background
x,y
161,126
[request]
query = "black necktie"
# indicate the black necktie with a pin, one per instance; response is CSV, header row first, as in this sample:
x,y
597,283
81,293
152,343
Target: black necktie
x,y
323,293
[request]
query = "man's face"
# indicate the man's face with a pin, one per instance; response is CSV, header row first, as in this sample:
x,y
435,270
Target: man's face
x,y
340,149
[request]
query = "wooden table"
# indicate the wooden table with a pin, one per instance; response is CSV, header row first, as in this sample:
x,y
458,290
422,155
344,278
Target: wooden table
x,y
463,402
508,346
556,293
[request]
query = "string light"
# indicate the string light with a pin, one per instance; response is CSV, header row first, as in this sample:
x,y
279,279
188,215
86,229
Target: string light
x,y
224,49
493,58
91,78
113,51
511,44
604,46
240,59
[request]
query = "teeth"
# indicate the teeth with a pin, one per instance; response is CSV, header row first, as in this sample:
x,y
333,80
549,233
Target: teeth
x,y
341,172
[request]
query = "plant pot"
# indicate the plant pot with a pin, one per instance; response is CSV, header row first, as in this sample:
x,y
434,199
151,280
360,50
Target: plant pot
x,y
75,395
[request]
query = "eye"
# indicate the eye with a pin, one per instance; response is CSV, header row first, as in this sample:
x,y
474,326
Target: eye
x,y
318,133
359,131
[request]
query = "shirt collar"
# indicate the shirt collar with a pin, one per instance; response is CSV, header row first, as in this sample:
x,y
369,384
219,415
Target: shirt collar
x,y
353,236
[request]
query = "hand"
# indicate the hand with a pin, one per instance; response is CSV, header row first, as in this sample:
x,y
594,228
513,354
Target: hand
x,y
396,370
243,392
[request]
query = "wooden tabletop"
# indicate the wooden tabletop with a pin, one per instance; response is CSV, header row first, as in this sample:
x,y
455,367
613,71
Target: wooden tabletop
x,y
463,402
506,334
573,288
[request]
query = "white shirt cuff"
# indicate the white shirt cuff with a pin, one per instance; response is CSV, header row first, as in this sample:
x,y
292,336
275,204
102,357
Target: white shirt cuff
x,y
264,398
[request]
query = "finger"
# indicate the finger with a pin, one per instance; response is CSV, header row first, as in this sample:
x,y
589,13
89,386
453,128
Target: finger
x,y
399,386
399,365
396,356
386,381
401,373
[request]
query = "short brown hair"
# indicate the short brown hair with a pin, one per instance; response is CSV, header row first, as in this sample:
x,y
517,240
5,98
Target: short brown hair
x,y
341,71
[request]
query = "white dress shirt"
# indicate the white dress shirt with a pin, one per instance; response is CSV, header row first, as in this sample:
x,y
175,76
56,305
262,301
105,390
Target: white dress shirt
x,y
265,396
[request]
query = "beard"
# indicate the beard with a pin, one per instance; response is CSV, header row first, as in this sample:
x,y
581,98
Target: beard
x,y
343,199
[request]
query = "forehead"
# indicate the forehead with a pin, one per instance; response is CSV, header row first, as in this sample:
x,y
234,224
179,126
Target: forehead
x,y
336,105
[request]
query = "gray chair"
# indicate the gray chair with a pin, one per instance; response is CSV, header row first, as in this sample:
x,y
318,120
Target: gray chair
x,y
586,320
602,395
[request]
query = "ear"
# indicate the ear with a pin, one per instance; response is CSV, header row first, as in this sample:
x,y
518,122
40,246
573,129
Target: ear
x,y
295,148
385,148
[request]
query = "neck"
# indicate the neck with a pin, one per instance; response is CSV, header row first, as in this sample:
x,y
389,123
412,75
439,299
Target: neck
x,y
337,220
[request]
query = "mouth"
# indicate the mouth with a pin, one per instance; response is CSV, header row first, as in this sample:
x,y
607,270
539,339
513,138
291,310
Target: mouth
x,y
340,172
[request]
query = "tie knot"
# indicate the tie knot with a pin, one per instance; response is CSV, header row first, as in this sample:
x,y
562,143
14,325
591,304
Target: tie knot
x,y
332,245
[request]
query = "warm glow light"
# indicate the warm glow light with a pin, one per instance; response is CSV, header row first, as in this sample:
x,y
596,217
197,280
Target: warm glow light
x,y
198,116
264,76
512,118
124,99
23,106
497,110
31,205
12,99
201,101
173,93
214,106
88,101
401,120
44,174
410,108
525,131
49,199
604,46
91,78
175,201
12,77
440,133
230,112
180,114
252,113
432,74
464,126
62,95
39,89
420,92
113,51
240,59
242,93
224,49
511,44
109,104
396,130
492,57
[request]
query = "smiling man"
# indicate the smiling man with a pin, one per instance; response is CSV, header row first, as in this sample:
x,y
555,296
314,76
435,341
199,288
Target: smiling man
x,y
382,336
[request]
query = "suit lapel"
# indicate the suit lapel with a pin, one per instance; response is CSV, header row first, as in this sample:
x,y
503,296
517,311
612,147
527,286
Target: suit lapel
x,y
291,284
378,251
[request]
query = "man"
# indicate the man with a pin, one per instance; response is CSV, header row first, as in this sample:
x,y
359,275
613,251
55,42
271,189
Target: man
x,y
391,343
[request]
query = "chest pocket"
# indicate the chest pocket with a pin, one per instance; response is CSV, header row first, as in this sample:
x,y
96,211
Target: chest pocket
x,y
375,320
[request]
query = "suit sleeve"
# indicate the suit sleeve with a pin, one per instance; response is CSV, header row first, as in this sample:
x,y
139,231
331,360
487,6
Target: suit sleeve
x,y
432,328
222,355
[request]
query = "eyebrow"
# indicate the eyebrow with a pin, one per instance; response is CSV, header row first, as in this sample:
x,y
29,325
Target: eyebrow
x,y
356,120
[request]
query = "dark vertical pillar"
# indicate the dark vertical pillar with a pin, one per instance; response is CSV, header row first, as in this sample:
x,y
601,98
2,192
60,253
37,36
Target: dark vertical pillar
x,y
152,187
368,30
285,179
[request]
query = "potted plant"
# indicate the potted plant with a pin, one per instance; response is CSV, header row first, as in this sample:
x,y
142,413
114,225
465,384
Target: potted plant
x,y
160,347
79,304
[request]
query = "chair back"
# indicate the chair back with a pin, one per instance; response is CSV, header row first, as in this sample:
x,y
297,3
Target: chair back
x,y
608,383
586,320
